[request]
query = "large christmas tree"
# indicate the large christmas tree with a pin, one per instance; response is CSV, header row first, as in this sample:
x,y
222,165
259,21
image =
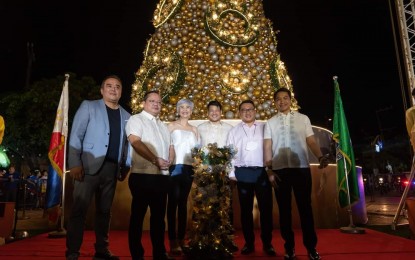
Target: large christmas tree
x,y
204,50
211,49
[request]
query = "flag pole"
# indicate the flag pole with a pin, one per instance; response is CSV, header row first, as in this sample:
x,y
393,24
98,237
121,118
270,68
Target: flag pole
x,y
61,232
351,228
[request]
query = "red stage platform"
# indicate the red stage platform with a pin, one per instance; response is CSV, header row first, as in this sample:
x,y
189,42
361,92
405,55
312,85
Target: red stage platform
x,y
332,245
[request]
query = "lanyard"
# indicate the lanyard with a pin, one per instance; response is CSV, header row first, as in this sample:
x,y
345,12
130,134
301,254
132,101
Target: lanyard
x,y
247,134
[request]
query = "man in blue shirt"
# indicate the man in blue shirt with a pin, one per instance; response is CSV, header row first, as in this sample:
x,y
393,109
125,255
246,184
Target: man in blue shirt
x,y
12,184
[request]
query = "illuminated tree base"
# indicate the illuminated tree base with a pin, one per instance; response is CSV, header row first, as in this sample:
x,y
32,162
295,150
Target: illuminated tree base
x,y
210,236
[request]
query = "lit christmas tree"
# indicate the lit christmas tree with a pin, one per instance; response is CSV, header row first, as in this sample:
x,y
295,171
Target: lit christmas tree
x,y
211,49
205,50
210,236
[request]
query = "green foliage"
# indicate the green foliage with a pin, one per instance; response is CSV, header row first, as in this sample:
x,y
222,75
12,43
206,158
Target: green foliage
x,y
30,114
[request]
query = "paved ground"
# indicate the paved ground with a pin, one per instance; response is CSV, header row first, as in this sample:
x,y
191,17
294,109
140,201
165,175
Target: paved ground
x,y
381,210
32,220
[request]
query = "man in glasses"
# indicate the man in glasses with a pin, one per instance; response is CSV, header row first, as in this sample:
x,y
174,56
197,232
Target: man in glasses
x,y
252,180
149,178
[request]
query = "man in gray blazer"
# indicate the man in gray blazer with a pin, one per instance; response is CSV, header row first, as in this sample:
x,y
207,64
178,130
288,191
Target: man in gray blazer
x,y
97,148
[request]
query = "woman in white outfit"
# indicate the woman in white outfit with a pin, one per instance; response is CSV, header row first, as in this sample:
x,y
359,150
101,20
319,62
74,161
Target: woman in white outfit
x,y
183,137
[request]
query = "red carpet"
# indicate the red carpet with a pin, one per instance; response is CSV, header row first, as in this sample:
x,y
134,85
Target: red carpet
x,y
332,245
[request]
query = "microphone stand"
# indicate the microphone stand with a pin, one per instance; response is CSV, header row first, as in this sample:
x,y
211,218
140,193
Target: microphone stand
x,y
24,199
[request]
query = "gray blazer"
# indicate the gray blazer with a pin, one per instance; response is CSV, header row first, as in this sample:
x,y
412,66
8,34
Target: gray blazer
x,y
89,139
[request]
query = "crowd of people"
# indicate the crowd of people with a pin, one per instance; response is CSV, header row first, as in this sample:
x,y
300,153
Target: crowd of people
x,y
271,159
10,182
29,190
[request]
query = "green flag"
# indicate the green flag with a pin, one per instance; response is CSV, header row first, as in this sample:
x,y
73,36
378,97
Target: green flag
x,y
344,152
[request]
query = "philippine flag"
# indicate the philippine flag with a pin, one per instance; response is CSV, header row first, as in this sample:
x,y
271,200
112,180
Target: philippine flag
x,y
57,152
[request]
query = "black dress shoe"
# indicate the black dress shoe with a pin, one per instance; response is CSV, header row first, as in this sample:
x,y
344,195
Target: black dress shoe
x,y
233,247
269,250
313,255
290,254
73,256
247,249
105,256
163,257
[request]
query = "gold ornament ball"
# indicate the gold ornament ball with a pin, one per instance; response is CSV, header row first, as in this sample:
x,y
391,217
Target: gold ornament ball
x,y
173,100
244,50
226,108
244,97
200,104
257,92
198,96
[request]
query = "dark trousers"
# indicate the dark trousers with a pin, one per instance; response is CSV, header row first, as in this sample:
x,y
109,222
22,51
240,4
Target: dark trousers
x,y
177,203
102,185
299,181
148,191
261,188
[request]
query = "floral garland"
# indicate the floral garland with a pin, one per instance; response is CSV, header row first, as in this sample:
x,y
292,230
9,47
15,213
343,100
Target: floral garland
x,y
210,234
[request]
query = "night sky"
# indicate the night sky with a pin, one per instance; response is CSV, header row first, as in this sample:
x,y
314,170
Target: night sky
x,y
317,40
